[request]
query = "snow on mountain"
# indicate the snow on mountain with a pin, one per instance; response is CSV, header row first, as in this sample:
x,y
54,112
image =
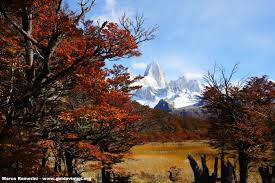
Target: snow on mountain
x,y
155,72
179,93
182,85
154,77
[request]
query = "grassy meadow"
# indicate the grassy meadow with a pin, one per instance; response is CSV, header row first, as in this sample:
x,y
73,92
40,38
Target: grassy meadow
x,y
151,162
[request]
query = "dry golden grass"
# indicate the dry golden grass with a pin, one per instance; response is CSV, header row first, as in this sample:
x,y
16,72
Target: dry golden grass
x,y
151,162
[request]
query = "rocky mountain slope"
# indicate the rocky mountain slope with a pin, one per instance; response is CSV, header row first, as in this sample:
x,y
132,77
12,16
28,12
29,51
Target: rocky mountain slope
x,y
157,91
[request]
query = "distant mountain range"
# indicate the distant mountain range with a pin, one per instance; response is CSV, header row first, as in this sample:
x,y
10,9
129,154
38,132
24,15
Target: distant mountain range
x,y
180,96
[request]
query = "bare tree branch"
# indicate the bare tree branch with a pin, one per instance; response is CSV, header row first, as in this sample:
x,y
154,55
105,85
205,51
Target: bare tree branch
x,y
136,28
59,6
85,8
23,32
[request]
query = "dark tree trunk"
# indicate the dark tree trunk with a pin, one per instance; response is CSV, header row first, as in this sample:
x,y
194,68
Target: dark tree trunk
x,y
205,171
106,176
202,175
273,156
266,175
57,164
243,163
44,161
215,173
69,163
222,167
273,174
196,169
229,171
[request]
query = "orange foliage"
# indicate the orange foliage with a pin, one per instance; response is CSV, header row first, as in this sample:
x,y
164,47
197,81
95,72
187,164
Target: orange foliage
x,y
54,84
241,116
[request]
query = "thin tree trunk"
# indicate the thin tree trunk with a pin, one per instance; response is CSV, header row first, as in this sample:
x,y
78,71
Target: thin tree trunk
x,y
243,163
273,157
57,164
273,174
205,171
103,174
215,173
27,27
265,174
69,163
106,176
222,166
65,163
44,161
229,173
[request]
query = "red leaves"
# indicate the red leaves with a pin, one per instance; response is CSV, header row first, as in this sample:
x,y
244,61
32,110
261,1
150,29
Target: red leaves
x,y
46,144
102,112
52,71
241,116
94,152
121,42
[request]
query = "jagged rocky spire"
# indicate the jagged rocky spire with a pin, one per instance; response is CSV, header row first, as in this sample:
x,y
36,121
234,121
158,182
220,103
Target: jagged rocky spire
x,y
179,93
156,73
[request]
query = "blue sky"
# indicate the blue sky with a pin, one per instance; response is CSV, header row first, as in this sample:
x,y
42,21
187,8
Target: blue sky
x,y
193,35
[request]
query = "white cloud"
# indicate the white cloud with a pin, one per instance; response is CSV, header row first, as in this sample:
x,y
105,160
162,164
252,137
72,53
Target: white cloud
x,y
193,75
110,4
111,12
139,65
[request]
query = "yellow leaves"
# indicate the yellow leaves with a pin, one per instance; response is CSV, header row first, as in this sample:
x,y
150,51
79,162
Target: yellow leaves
x,y
66,117
11,50
2,90
119,170
7,145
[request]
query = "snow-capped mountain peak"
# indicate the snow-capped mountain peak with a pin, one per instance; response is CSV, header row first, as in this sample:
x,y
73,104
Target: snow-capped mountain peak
x,y
179,93
154,77
155,74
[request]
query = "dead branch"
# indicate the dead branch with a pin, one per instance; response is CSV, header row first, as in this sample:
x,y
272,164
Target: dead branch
x,y
136,27
85,8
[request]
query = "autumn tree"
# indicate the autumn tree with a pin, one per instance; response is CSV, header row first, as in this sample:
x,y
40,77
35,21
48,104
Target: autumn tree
x,y
240,116
103,114
44,49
